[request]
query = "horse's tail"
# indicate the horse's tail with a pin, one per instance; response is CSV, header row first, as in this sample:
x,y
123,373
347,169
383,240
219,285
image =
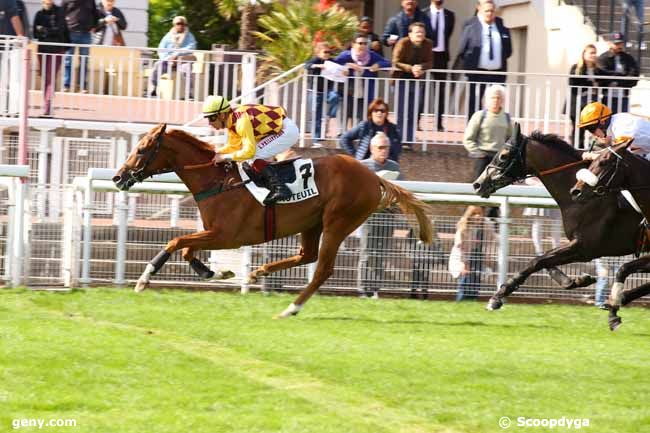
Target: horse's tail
x,y
407,202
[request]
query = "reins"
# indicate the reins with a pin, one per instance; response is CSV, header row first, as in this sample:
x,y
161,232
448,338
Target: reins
x,y
563,167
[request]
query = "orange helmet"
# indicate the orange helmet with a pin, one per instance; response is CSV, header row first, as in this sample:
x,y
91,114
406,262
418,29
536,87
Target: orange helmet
x,y
594,113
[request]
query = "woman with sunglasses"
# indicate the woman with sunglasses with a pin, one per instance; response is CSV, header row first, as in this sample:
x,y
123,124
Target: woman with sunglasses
x,y
256,133
377,121
608,129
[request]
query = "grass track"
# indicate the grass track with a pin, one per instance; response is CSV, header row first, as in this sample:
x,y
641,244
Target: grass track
x,y
177,361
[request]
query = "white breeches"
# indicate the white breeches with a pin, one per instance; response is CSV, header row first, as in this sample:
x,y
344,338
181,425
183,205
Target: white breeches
x,y
270,146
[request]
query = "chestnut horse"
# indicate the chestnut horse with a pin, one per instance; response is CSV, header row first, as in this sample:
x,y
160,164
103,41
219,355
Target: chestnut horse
x,y
348,194
613,171
595,229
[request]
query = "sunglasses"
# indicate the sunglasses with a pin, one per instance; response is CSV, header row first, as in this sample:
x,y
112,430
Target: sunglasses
x,y
592,128
362,43
379,110
213,117
327,52
180,24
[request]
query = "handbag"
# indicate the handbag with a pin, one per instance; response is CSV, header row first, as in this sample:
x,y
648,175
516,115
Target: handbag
x,y
118,39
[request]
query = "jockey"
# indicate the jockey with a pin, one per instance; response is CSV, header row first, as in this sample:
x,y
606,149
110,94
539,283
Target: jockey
x,y
255,132
609,129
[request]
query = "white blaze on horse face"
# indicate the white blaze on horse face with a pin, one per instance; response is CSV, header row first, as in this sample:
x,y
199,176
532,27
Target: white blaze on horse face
x,y
587,177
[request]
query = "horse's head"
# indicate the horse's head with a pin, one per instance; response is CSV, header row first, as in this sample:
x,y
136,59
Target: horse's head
x,y
602,176
507,166
144,161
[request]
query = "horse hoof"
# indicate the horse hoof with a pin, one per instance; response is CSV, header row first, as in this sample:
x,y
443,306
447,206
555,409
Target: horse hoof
x,y
494,304
140,286
223,275
252,278
615,323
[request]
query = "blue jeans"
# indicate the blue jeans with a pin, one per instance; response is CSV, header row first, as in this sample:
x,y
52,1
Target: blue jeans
x,y
317,109
470,283
77,38
409,117
637,5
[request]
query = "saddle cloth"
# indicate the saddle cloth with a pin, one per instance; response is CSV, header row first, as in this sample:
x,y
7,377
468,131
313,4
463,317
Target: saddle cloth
x,y
299,179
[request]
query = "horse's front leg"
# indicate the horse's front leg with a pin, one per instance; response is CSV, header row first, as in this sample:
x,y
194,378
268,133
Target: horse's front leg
x,y
196,241
619,297
569,253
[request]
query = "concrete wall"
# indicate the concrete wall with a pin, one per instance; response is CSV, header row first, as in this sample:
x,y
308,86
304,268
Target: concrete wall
x,y
135,12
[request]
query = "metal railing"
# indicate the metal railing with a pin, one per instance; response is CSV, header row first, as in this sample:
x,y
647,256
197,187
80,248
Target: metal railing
x,y
115,249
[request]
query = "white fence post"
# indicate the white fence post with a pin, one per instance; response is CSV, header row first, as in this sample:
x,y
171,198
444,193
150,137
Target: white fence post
x,y
88,231
122,231
504,239
248,78
21,210
247,261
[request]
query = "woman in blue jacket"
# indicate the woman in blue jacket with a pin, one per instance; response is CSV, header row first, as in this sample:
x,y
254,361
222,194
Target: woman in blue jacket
x,y
364,131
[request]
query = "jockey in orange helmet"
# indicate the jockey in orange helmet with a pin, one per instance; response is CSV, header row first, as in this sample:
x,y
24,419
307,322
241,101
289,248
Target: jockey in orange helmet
x,y
255,132
610,129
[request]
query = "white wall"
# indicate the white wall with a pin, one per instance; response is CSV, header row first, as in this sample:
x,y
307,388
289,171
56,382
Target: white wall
x,y
135,12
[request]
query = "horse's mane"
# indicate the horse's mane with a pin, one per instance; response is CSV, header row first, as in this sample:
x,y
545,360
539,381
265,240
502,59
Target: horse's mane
x,y
555,141
191,139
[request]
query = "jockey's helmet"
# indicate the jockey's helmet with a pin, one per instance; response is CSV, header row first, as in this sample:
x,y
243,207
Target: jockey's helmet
x,y
215,105
594,115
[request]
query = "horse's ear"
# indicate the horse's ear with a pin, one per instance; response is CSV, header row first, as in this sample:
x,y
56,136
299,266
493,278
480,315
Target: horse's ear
x,y
164,127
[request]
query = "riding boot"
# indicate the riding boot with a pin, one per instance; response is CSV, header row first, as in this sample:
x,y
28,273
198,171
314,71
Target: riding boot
x,y
278,190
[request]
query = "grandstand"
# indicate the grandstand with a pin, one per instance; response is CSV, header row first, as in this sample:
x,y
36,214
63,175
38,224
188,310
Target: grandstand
x,y
80,231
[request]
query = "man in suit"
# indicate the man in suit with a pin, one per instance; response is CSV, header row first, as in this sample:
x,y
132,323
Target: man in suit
x,y
397,26
412,56
442,23
485,45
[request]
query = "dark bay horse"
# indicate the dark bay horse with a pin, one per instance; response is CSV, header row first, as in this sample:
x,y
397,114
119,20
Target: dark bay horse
x,y
594,229
348,194
615,170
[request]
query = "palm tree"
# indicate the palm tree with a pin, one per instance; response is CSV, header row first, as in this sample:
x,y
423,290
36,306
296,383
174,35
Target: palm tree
x,y
291,29
248,10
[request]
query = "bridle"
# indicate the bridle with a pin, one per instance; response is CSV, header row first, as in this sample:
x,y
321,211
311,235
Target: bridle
x,y
610,173
515,169
139,174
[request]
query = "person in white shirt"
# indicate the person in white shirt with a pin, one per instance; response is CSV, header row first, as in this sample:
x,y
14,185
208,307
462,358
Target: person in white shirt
x,y
442,22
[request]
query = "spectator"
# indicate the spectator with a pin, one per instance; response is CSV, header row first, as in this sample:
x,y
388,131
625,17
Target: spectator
x,y
10,22
466,258
399,26
637,5
363,64
50,26
424,259
111,24
21,11
412,56
616,62
365,29
584,88
485,45
320,90
488,130
175,52
364,132
442,22
81,17
377,231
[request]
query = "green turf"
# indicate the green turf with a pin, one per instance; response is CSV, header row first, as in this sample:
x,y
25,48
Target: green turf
x,y
173,361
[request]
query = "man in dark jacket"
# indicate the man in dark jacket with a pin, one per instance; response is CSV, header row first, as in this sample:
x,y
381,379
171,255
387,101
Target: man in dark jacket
x,y
485,45
81,17
397,26
442,22
616,62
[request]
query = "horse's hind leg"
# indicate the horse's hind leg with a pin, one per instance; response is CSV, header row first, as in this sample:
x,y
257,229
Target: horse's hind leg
x,y
202,270
308,254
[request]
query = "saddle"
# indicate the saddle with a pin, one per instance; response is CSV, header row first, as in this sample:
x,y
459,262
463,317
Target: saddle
x,y
283,170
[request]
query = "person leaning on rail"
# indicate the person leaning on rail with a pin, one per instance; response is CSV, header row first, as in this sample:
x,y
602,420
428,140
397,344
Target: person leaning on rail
x,y
608,129
257,133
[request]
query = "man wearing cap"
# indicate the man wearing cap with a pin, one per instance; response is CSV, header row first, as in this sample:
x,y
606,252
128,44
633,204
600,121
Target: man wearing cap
x,y
616,62
609,129
257,133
